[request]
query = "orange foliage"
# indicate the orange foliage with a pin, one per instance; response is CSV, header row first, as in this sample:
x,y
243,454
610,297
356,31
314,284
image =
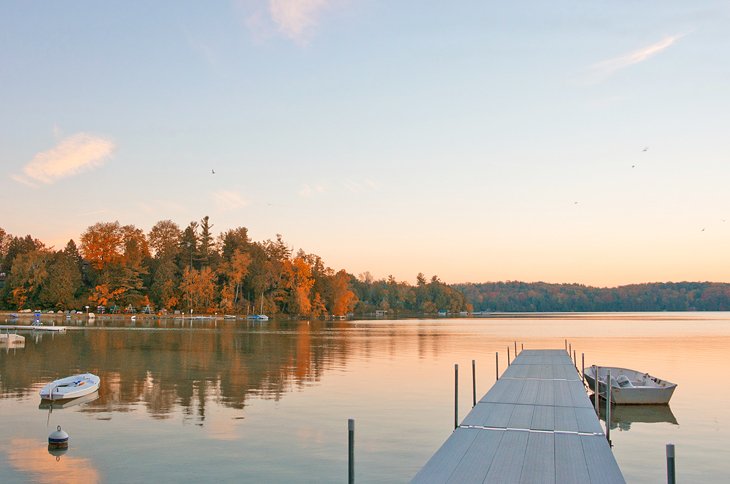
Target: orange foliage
x,y
101,244
344,299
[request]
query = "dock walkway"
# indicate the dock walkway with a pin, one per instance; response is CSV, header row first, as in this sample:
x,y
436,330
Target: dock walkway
x,y
536,424
29,327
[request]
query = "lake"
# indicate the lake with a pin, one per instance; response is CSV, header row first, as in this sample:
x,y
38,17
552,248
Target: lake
x,y
220,400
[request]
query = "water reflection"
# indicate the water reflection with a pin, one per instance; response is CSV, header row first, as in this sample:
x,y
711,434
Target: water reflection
x,y
622,416
61,404
176,366
33,459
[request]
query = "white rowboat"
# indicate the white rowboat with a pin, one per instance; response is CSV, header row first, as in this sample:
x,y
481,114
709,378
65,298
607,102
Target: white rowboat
x,y
630,387
70,387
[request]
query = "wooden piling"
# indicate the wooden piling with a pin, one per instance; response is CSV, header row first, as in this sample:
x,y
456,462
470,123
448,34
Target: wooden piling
x,y
608,406
596,396
456,395
473,383
671,477
351,451
496,364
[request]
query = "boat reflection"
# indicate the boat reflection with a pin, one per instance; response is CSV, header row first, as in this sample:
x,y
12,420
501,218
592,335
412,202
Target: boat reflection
x,y
71,402
622,416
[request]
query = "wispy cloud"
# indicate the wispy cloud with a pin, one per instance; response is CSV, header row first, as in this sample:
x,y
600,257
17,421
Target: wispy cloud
x,y
309,190
295,19
366,185
601,70
227,200
73,155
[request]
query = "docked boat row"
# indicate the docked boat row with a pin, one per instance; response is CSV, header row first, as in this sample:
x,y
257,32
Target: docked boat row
x,y
630,387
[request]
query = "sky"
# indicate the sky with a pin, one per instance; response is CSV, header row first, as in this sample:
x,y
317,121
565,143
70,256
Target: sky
x,y
560,141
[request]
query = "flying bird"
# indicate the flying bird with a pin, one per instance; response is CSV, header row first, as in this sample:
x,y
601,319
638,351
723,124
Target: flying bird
x,y
212,172
633,166
646,148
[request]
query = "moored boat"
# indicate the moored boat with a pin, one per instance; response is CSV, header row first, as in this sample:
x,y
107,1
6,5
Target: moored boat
x,y
70,387
630,387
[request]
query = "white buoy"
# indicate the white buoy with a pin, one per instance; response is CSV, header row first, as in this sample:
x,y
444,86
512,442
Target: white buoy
x,y
58,439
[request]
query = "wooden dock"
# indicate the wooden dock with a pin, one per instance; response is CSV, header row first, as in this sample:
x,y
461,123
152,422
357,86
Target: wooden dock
x,y
30,327
536,424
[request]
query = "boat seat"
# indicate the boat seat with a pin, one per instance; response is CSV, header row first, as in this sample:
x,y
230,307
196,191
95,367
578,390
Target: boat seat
x,y
624,382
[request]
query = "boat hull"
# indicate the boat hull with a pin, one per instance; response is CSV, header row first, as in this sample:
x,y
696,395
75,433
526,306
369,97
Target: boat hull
x,y
70,387
645,389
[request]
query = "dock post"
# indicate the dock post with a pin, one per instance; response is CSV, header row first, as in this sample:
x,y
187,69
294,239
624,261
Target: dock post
x,y
566,345
608,406
570,349
456,395
575,361
522,347
515,349
671,478
596,397
508,360
583,367
496,366
473,383
351,451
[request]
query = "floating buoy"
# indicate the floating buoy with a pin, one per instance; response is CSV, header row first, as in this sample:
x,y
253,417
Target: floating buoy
x,y
58,439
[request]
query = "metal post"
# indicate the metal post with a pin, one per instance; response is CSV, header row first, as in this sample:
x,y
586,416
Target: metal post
x,y
496,366
474,383
608,406
583,367
596,397
456,395
508,361
671,477
351,451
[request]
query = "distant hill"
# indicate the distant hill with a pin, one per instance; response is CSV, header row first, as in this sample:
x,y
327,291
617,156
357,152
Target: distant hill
x,y
543,297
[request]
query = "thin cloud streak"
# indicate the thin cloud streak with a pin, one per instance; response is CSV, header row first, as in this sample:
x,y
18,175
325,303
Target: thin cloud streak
x,y
227,200
73,155
309,190
601,70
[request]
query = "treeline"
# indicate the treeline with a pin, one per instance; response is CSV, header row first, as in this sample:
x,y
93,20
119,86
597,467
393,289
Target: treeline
x,y
122,268
543,297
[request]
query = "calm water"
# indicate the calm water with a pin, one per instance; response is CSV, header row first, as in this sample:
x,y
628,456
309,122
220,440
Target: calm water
x,y
236,401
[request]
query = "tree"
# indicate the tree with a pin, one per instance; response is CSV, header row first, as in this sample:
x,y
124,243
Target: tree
x,y
102,244
205,247
164,239
29,273
199,288
63,283
343,298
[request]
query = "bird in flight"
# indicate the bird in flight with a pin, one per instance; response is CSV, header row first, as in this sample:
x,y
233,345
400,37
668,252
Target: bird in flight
x,y
212,172
633,166
646,148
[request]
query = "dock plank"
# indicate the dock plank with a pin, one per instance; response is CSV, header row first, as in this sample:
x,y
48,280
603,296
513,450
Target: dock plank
x,y
536,424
